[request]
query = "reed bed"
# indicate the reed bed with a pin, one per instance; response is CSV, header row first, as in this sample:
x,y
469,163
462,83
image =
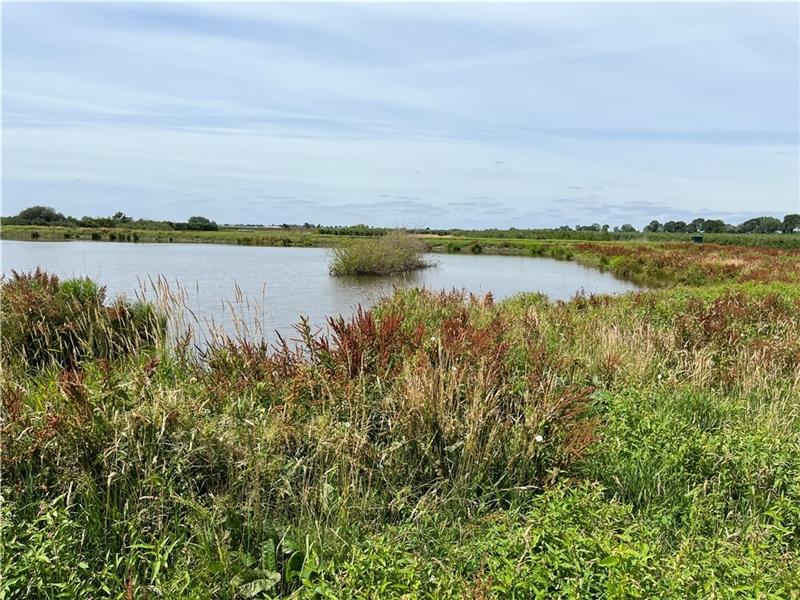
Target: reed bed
x,y
438,445
394,252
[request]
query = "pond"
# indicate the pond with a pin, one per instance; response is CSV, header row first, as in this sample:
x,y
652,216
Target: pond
x,y
268,289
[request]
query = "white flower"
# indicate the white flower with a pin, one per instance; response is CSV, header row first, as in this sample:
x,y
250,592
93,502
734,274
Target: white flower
x,y
433,338
539,439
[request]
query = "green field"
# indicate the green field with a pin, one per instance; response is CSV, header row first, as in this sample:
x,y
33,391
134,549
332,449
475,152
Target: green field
x,y
437,446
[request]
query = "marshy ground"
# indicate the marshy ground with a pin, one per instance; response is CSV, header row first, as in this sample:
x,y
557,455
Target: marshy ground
x,y
439,445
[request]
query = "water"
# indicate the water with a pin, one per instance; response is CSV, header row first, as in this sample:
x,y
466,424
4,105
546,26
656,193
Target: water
x,y
278,285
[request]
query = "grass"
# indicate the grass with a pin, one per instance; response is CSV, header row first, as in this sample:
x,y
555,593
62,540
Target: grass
x,y
691,264
395,252
262,237
502,242
47,321
436,446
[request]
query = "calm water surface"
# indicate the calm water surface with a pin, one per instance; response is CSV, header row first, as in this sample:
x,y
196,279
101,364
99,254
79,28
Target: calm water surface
x,y
278,285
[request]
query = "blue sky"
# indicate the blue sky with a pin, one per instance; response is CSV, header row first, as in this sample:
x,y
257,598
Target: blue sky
x,y
419,115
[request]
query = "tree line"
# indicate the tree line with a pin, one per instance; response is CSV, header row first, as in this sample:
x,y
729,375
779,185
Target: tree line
x,y
45,216
789,224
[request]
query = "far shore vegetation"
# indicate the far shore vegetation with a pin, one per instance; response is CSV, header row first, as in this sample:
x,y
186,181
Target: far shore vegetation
x,y
44,216
655,259
393,252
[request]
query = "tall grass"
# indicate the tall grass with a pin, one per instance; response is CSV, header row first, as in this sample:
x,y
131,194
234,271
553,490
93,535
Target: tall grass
x,y
394,252
439,445
52,322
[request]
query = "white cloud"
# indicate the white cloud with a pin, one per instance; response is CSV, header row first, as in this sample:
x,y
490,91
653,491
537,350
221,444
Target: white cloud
x,y
685,106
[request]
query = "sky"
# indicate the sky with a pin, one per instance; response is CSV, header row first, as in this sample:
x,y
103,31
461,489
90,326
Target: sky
x,y
411,115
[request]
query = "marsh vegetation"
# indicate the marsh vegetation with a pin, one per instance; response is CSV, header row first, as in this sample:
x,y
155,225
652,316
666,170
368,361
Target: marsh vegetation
x,y
393,252
439,445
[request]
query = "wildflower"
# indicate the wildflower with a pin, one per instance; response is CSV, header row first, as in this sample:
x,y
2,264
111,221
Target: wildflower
x,y
539,439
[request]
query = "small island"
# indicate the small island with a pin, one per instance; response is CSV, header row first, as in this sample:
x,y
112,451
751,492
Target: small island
x,y
394,252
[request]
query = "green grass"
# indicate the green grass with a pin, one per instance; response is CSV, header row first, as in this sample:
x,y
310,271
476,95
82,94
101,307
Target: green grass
x,y
438,446
501,242
262,237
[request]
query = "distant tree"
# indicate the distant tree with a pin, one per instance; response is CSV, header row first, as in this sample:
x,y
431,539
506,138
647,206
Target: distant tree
x,y
39,215
150,224
605,227
791,223
675,227
121,217
714,226
653,227
761,225
769,225
696,226
88,222
201,224
627,228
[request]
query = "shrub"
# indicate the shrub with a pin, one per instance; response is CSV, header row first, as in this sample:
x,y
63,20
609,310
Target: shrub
x,y
395,252
40,215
